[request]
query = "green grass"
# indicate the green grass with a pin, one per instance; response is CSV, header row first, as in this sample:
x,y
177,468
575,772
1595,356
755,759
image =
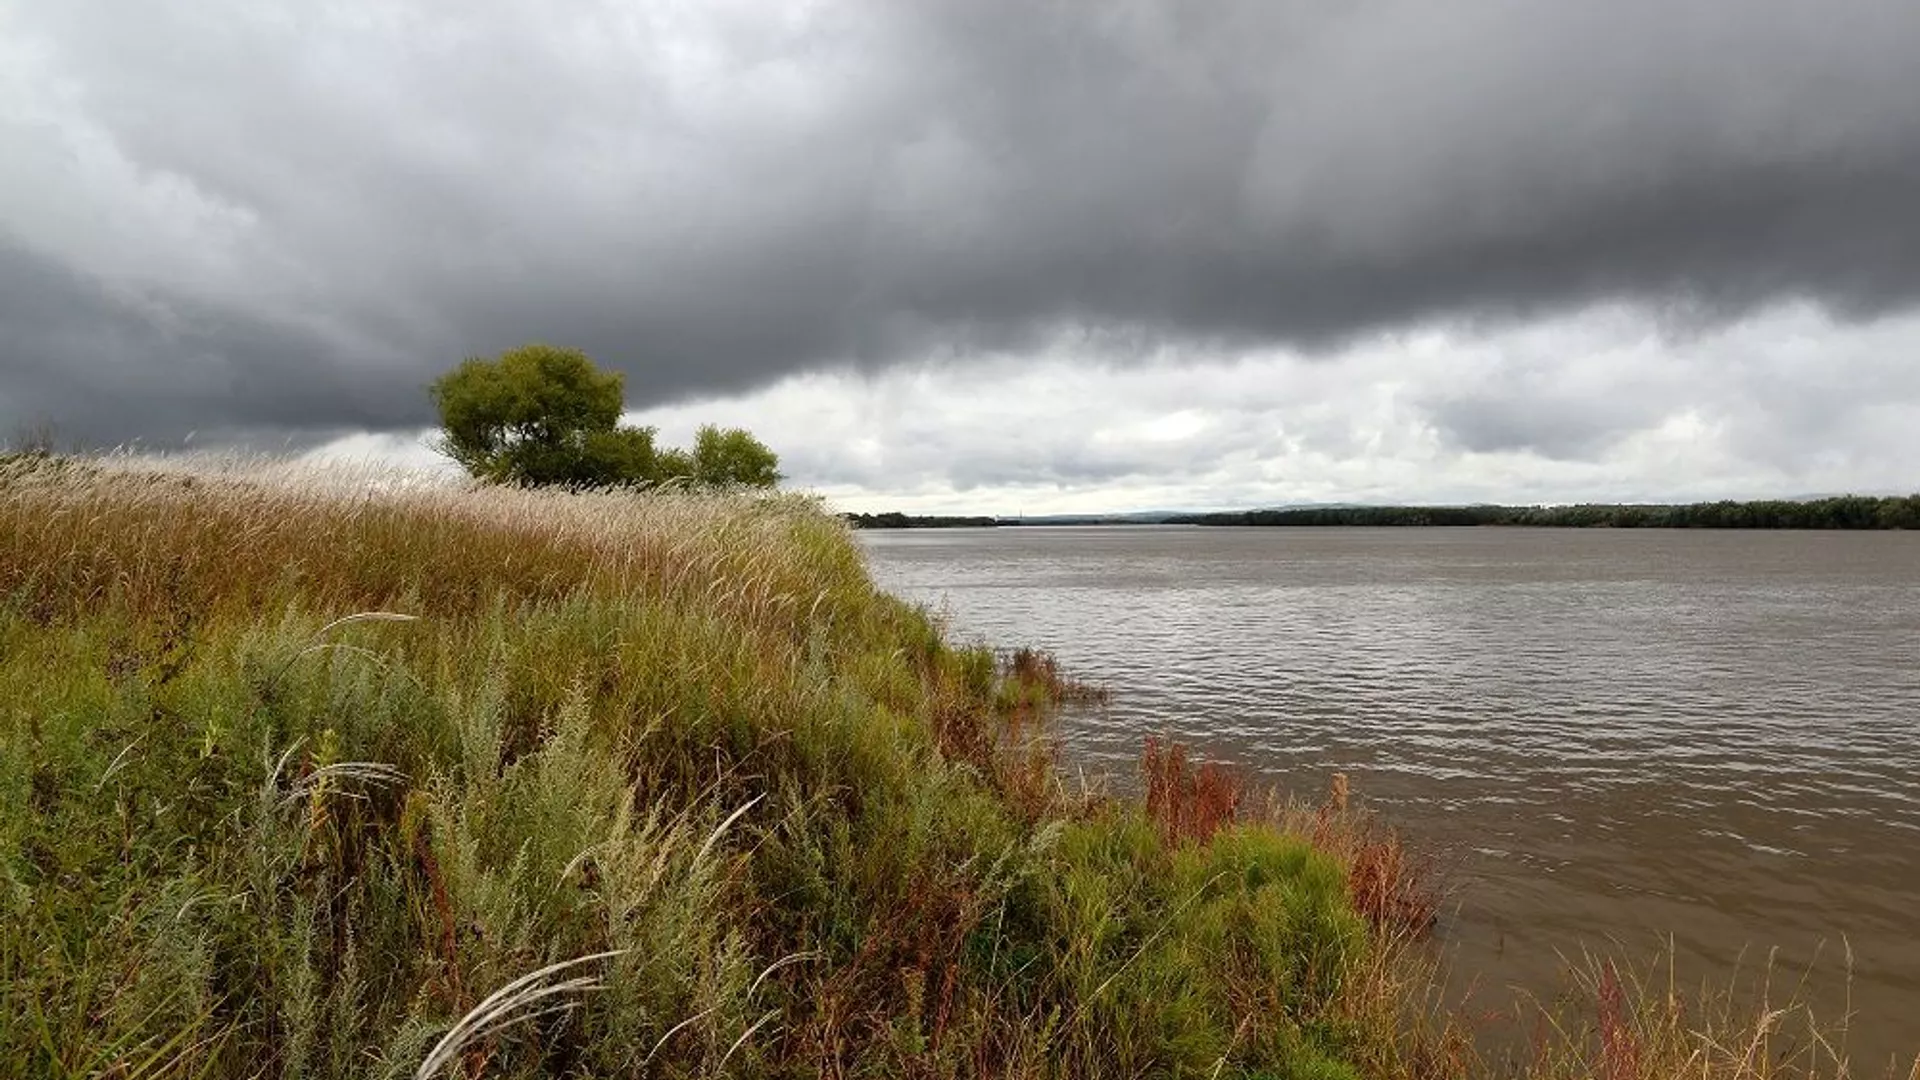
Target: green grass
x,y
296,770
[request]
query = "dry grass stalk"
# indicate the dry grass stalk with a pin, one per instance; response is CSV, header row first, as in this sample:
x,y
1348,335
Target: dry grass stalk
x,y
525,998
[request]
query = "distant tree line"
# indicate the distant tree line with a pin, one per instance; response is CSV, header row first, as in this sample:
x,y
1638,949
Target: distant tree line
x,y
893,519
1839,512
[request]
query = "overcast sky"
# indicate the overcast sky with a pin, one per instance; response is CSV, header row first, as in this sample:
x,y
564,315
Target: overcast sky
x,y
994,255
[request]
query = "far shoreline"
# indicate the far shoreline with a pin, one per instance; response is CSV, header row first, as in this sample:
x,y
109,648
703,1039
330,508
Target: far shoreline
x,y
1843,512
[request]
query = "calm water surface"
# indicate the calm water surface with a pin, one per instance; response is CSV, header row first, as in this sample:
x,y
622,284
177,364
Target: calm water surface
x,y
1618,735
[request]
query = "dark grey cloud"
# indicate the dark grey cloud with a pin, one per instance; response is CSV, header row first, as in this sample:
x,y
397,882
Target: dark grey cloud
x,y
1557,427
101,365
276,216
1570,398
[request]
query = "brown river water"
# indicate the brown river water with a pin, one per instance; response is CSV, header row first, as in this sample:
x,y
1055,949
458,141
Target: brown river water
x,y
1618,738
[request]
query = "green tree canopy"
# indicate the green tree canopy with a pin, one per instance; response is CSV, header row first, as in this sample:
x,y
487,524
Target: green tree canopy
x,y
727,457
540,414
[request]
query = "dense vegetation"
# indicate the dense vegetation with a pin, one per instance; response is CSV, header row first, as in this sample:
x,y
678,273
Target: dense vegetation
x,y
1841,512
311,775
545,415
295,774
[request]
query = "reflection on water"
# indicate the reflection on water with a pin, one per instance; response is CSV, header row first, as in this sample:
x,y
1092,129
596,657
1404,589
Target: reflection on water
x,y
1713,735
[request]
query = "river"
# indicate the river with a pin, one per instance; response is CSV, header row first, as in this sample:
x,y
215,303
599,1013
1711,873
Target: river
x,y
1613,736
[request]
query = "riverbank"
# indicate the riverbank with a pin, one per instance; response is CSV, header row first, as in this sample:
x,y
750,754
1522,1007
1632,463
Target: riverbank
x,y
298,769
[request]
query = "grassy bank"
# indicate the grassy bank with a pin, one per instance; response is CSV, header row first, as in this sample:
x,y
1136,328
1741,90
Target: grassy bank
x,y
315,775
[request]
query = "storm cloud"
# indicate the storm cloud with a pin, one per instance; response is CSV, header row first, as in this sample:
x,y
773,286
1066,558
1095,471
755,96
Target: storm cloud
x,y
284,218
